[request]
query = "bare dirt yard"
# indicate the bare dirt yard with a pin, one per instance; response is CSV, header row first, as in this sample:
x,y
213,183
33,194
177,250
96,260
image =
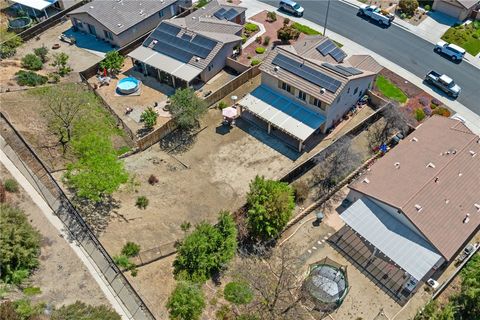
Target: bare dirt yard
x,y
61,277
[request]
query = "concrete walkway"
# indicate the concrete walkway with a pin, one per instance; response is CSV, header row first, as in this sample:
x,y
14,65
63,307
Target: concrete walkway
x,y
55,221
258,34
472,120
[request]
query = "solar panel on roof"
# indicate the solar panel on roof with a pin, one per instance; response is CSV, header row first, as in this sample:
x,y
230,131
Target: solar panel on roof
x,y
186,36
343,70
352,70
307,73
219,13
325,47
204,42
338,54
168,28
230,14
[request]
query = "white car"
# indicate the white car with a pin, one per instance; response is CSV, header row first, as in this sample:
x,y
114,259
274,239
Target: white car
x,y
453,51
432,283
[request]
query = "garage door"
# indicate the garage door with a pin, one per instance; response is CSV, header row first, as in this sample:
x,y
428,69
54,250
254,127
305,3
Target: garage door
x,y
449,9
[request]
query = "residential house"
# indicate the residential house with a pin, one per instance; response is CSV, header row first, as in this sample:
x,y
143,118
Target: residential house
x,y
308,87
459,9
119,22
186,51
419,205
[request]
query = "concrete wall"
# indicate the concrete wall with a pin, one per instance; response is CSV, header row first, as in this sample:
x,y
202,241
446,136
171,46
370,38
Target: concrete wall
x,y
127,36
219,62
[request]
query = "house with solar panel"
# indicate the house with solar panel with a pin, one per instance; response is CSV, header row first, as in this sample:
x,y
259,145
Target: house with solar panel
x,y
188,51
119,22
307,88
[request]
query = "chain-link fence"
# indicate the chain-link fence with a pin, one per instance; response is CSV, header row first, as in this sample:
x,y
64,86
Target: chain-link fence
x,y
26,160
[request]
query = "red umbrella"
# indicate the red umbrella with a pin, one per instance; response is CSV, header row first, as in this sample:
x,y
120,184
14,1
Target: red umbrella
x,y
104,72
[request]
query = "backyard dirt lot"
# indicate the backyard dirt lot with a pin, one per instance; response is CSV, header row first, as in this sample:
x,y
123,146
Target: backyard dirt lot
x,y
194,185
61,277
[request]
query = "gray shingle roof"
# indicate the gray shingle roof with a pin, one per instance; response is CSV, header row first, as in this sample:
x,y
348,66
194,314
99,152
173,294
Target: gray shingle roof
x,y
120,15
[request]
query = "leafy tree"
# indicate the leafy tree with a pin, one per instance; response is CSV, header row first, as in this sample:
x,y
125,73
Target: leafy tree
x,y
206,250
408,6
271,16
60,61
113,62
9,42
97,172
32,62
30,78
19,245
287,33
270,204
186,302
82,311
149,117
42,53
238,292
187,108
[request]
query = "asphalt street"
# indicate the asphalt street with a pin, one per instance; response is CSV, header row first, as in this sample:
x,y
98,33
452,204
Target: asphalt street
x,y
395,44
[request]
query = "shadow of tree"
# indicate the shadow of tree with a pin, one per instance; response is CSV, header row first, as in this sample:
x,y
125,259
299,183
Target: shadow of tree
x,y
96,214
179,141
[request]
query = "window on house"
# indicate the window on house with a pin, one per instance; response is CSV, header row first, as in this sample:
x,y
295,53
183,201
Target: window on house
x,y
355,91
78,23
286,87
348,90
161,13
108,34
318,103
210,67
302,95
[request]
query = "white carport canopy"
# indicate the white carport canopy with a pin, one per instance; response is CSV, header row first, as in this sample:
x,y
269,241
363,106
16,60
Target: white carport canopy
x,y
35,4
394,239
282,112
165,63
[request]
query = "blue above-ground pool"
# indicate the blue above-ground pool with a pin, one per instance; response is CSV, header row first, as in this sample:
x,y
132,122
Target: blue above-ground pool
x,y
128,85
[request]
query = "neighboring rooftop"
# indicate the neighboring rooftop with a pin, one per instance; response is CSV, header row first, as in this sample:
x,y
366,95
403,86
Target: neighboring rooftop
x,y
433,176
120,15
468,3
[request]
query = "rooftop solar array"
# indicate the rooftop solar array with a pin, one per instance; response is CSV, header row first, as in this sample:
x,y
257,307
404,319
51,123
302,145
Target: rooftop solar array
x,y
223,13
343,70
329,47
164,39
307,73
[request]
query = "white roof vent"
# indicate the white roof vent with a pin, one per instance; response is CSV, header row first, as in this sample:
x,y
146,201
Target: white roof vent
x,y
197,59
447,201
467,218
473,153
366,180
322,90
91,7
460,174
119,25
142,12
418,207
276,68
414,139
431,165
476,205
397,165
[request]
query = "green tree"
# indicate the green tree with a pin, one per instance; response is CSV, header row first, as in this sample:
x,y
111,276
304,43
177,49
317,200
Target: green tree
x,y
149,117
97,172
287,33
238,292
82,311
113,62
131,249
42,53
270,204
9,42
186,302
19,245
408,6
206,250
32,62
187,108
60,61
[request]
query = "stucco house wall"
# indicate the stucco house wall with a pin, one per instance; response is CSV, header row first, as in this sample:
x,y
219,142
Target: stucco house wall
x,y
452,8
219,62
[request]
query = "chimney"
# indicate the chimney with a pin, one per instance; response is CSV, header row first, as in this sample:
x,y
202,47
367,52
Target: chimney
x,y
431,165
397,165
366,180
418,207
476,205
414,139
473,153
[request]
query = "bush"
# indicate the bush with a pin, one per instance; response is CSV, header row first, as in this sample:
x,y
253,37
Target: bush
x,y
42,53
436,102
250,27
255,62
222,105
149,118
244,38
271,16
32,62
186,302
11,185
260,50
30,78
53,77
19,245
3,197
12,41
442,111
427,7
82,311
122,261
419,114
130,249
408,6
287,33
258,39
305,29
403,16
142,202
60,61
112,62
31,291
238,293
301,191
286,21
152,180
424,101
266,41
427,111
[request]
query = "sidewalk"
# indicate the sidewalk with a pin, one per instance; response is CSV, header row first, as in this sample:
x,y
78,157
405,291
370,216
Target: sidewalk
x,y
350,47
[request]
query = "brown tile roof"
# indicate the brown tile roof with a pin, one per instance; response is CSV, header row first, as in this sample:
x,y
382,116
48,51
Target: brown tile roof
x,y
437,169
364,62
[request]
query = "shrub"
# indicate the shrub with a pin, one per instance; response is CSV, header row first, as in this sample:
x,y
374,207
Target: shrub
x,y
301,191
3,197
142,202
258,39
249,57
403,16
442,111
238,293
12,41
60,61
475,35
408,6
436,102
122,261
287,33
53,77
186,302
305,29
149,118
260,50
255,62
30,78
250,27
419,114
266,41
82,311
32,62
31,291
113,62
244,38
152,180
11,185
130,249
427,111
427,7
271,16
286,21
424,101
222,105
42,53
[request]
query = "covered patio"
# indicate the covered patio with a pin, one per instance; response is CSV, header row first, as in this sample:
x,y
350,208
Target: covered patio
x,y
282,113
165,69
36,8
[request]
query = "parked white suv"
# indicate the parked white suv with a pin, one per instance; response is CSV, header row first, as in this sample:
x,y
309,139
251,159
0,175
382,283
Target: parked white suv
x,y
453,51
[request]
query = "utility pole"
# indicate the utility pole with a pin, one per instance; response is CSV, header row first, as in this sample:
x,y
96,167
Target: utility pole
x,y
326,19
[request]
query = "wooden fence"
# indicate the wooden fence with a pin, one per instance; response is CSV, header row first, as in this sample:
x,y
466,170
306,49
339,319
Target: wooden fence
x,y
156,135
237,66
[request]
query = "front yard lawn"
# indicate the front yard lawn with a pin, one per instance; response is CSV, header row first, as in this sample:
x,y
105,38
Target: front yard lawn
x,y
305,29
389,90
466,36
